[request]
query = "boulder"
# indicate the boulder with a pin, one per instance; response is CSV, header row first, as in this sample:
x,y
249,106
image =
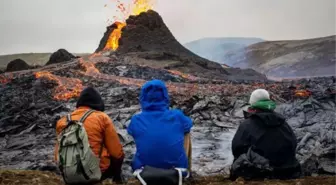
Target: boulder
x,y
17,65
59,56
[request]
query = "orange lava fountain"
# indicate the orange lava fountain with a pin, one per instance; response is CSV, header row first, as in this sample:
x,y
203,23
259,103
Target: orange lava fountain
x,y
137,7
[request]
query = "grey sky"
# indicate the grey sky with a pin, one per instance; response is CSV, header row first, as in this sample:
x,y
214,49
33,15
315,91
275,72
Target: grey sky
x,y
78,25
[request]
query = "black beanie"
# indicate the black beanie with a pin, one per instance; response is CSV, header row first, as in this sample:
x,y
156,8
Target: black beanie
x,y
91,98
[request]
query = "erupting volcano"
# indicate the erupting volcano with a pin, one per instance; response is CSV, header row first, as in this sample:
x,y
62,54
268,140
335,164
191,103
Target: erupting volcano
x,y
139,47
137,7
144,35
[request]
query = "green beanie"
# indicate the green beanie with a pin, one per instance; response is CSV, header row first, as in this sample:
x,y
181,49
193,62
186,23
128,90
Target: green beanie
x,y
264,105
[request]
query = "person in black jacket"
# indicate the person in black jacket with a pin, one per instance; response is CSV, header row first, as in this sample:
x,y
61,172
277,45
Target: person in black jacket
x,y
264,145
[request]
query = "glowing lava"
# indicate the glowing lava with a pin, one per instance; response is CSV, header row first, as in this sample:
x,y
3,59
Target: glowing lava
x,y
303,93
137,7
142,6
4,79
183,75
113,40
67,88
90,68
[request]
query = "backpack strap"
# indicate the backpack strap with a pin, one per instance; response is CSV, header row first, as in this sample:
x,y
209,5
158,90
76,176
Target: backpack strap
x,y
137,174
70,121
180,174
83,118
87,114
180,171
68,118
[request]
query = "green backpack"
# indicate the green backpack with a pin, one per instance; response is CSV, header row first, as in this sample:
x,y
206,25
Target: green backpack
x,y
77,163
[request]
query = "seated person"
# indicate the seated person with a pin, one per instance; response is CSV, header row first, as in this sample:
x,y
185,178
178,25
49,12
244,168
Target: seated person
x,y
161,135
102,136
264,145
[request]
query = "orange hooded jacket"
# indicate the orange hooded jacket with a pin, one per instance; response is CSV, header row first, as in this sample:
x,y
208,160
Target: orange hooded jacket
x,y
100,129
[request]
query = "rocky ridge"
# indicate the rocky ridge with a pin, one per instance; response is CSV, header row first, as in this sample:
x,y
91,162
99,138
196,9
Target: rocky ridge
x,y
283,59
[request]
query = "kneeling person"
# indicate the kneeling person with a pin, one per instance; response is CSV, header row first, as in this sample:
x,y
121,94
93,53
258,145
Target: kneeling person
x,y
264,145
161,135
88,147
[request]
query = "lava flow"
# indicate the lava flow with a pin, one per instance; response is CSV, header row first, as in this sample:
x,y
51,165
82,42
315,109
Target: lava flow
x,y
90,68
113,40
183,75
66,87
4,79
137,7
303,93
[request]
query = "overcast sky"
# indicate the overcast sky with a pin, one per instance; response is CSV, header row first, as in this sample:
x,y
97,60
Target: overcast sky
x,y
78,25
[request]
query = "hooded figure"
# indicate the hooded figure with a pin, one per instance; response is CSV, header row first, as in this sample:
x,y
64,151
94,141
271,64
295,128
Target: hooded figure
x,y
159,132
102,136
264,145
91,98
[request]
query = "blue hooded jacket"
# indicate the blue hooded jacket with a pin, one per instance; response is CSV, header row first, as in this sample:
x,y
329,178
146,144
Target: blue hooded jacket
x,y
158,132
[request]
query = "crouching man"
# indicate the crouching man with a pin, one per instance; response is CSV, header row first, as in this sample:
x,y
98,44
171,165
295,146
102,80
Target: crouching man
x,y
264,145
162,139
88,149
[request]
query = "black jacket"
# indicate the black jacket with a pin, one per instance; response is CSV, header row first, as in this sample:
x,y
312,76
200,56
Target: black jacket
x,y
269,135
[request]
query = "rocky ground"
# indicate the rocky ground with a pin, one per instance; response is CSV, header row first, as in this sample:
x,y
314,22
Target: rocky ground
x,y
48,178
31,105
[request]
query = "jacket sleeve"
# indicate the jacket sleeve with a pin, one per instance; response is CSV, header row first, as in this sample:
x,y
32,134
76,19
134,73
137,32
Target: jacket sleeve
x,y
58,131
112,142
240,142
130,128
186,122
294,139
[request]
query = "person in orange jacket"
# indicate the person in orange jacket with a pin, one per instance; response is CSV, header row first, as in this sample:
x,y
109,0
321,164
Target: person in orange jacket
x,y
100,130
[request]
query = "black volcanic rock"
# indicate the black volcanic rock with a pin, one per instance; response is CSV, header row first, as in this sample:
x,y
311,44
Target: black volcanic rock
x,y
146,36
28,114
59,56
147,32
17,65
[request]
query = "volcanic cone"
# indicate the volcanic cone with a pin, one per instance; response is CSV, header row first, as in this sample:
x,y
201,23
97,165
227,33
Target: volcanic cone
x,y
17,65
147,36
59,56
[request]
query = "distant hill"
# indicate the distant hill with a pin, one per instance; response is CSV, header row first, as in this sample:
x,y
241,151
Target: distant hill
x,y
290,58
30,58
215,48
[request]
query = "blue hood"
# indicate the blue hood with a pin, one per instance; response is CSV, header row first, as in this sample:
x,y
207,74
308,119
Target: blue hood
x,y
154,96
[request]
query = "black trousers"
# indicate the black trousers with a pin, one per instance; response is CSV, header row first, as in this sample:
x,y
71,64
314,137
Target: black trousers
x,y
253,173
114,170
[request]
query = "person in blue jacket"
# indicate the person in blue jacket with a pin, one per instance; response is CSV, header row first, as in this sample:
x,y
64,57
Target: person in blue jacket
x,y
159,132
